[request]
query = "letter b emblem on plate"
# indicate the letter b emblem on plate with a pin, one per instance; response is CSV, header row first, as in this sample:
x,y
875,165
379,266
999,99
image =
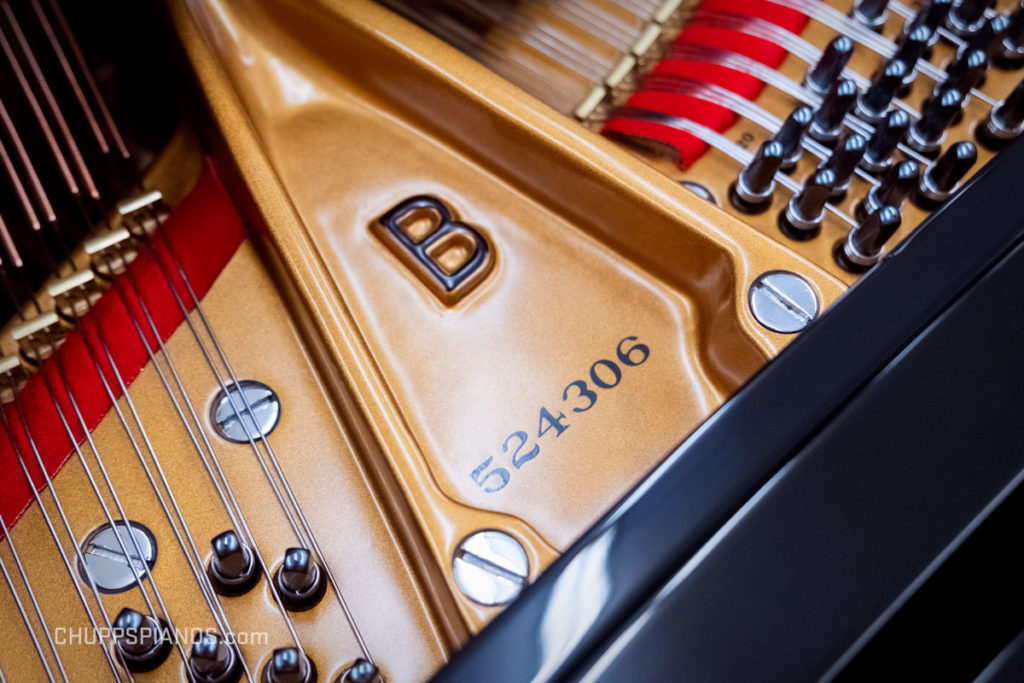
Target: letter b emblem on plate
x,y
447,255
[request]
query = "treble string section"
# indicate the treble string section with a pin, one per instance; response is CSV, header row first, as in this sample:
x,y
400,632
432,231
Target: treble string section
x,y
245,408
197,434
8,430
23,613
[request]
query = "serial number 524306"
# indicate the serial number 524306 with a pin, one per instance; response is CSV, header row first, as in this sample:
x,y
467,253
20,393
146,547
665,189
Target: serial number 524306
x,y
579,395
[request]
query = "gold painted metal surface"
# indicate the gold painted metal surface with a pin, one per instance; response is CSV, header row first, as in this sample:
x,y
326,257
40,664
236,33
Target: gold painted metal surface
x,y
336,111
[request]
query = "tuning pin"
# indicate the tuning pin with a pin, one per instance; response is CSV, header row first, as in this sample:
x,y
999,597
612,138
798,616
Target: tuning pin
x,y
966,71
1005,122
843,162
926,134
863,246
989,37
940,180
212,660
752,191
360,671
143,642
1009,52
891,190
911,48
233,570
968,16
806,209
791,134
870,13
289,665
830,65
299,580
828,120
932,15
873,102
888,134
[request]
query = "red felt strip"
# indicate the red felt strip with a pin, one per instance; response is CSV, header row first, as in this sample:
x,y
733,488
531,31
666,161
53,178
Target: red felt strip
x,y
705,113
204,231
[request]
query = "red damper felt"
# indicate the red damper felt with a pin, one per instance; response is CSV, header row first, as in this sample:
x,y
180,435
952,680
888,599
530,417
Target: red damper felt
x,y
712,116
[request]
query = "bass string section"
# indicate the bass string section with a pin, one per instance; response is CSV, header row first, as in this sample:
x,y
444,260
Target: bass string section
x,y
83,248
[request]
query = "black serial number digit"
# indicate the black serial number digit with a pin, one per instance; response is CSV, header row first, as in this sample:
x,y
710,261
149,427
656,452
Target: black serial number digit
x,y
628,357
604,374
612,367
584,393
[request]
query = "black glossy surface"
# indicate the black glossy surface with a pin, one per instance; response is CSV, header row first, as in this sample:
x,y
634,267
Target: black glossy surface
x,y
570,615
1008,665
823,551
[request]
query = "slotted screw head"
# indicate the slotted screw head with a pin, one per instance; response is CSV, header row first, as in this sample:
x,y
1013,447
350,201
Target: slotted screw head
x,y
104,561
490,567
782,301
233,410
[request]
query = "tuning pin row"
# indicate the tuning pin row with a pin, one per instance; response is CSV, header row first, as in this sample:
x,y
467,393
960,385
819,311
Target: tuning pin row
x,y
233,570
144,642
1000,36
987,38
291,665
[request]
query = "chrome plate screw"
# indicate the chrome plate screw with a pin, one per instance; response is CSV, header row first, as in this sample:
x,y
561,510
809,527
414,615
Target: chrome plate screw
x,y
490,567
231,417
105,562
782,301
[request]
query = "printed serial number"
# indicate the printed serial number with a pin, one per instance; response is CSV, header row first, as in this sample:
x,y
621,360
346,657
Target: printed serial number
x,y
579,396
